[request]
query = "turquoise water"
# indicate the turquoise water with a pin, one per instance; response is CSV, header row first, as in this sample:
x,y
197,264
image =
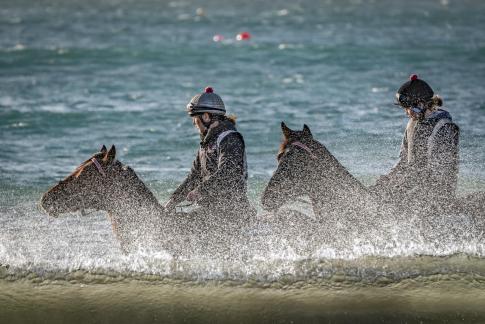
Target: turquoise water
x,y
76,75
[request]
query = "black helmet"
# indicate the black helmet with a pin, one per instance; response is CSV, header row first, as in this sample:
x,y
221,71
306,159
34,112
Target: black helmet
x,y
206,101
413,91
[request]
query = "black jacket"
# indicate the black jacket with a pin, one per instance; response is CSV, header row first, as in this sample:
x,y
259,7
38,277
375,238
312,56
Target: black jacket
x,y
428,161
219,172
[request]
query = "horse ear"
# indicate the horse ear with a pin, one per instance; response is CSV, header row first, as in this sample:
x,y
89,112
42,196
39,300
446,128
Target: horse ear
x,y
110,155
103,149
286,130
306,131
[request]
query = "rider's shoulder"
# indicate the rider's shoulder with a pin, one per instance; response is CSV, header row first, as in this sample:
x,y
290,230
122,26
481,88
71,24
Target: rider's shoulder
x,y
444,123
230,137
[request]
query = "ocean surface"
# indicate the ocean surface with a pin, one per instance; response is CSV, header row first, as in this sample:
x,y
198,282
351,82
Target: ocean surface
x,y
78,74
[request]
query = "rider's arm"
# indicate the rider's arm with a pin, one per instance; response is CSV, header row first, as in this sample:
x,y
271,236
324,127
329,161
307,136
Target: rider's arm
x,y
191,181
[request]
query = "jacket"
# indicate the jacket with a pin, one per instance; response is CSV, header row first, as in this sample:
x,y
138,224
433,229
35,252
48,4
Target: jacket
x,y
219,171
428,160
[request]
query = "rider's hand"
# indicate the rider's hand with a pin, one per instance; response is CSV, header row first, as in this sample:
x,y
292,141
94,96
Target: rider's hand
x,y
193,195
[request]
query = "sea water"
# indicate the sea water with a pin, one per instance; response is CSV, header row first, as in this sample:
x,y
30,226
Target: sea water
x,y
75,75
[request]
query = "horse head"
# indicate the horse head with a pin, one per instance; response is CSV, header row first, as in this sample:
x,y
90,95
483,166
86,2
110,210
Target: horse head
x,y
84,188
295,172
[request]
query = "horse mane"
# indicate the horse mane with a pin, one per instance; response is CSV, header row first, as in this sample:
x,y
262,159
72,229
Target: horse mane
x,y
325,158
328,158
321,151
137,184
282,148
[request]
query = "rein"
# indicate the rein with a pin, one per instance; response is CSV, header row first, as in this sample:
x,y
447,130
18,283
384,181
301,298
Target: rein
x,y
98,166
306,148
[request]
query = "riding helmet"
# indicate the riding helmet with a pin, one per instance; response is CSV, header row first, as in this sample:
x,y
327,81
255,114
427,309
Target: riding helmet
x,y
413,91
206,101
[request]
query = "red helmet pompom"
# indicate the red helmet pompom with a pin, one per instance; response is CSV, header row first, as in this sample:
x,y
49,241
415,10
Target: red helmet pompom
x,y
413,77
209,90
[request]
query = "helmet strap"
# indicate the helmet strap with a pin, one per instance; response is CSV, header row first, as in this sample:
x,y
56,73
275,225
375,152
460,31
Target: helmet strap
x,y
418,112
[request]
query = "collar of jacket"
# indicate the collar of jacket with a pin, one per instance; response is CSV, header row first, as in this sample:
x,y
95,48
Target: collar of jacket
x,y
436,116
214,132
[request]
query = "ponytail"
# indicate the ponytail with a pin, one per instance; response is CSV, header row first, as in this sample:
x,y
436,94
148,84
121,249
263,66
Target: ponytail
x,y
232,118
435,102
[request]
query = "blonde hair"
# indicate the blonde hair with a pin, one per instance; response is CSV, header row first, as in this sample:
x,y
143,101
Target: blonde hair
x,y
435,102
232,118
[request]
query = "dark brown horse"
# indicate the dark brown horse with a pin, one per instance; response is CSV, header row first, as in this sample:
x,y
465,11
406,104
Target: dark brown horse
x,y
105,184
307,168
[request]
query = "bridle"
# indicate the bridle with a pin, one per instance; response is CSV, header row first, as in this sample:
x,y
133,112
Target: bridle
x,y
306,148
98,166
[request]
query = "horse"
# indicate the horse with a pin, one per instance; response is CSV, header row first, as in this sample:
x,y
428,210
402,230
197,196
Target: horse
x,y
307,168
103,183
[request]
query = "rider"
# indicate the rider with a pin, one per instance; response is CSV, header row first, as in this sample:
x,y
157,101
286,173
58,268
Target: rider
x,y
428,160
218,179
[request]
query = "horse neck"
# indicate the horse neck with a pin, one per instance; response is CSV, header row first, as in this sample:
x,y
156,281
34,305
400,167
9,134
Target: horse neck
x,y
129,200
334,184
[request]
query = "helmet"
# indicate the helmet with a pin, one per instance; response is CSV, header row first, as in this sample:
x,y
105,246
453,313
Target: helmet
x,y
413,91
208,102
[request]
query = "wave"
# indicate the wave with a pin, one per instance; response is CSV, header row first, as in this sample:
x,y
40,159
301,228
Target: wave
x,y
367,290
309,273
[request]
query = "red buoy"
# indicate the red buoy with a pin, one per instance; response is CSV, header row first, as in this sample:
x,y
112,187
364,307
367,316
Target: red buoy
x,y
243,36
413,77
208,90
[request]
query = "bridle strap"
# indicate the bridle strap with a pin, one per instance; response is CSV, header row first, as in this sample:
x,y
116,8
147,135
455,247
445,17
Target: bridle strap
x,y
306,148
98,166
